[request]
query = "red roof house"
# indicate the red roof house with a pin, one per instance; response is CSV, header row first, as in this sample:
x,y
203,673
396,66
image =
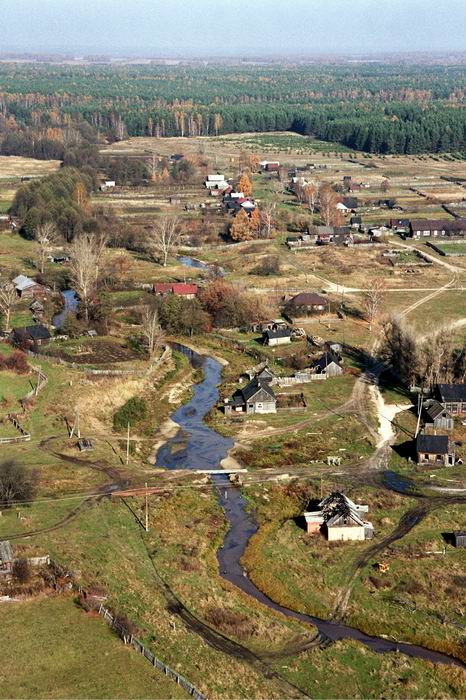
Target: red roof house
x,y
179,289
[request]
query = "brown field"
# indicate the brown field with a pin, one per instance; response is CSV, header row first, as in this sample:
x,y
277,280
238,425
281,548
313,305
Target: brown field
x,y
17,166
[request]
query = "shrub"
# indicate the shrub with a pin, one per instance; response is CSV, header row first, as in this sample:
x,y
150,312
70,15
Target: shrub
x,y
17,362
270,265
22,571
16,483
134,412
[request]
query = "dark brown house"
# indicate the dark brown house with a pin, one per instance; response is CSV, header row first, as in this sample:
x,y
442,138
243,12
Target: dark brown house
x,y
452,397
307,304
30,336
435,451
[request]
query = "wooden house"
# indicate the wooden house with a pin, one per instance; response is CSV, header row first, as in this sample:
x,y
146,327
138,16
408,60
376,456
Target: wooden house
x,y
178,289
306,304
277,336
340,519
328,364
435,451
432,228
30,336
27,288
255,397
452,397
436,417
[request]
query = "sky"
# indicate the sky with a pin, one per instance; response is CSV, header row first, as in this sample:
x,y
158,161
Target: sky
x,y
251,28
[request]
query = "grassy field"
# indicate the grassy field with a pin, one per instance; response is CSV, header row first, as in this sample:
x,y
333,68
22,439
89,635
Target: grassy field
x,y
17,167
80,657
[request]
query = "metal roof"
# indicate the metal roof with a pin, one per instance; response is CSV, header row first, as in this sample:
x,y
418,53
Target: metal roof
x,y
432,444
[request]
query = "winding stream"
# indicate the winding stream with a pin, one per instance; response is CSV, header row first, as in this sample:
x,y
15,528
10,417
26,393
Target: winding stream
x,y
196,446
71,302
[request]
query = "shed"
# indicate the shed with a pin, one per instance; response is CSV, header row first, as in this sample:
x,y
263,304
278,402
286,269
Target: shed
x,y
436,416
459,538
277,336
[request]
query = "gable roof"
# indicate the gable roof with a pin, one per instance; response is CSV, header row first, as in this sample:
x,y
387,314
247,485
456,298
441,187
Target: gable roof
x,y
451,393
22,282
277,333
308,299
35,332
177,288
438,224
326,359
254,390
432,444
434,408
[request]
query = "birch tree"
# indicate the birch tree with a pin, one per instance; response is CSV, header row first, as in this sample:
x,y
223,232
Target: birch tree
x,y
46,237
86,256
164,239
152,330
373,299
8,297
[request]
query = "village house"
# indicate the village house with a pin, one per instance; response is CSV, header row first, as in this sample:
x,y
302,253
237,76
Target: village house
x,y
216,181
107,185
30,336
328,364
452,397
277,336
270,166
420,228
261,326
436,417
178,289
255,397
340,519
356,222
435,450
306,304
6,557
27,288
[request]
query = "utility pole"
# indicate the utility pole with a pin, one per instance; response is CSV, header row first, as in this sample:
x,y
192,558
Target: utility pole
x,y
419,409
127,447
77,422
147,511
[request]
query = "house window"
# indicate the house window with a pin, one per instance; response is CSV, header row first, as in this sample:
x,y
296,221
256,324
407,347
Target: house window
x,y
438,458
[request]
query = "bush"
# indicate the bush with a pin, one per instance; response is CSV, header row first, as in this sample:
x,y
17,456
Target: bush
x,y
16,483
134,412
270,265
22,571
16,362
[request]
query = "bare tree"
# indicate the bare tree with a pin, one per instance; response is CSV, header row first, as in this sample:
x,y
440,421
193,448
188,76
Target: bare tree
x,y
328,200
373,299
399,349
16,483
46,237
86,256
8,298
164,238
267,219
311,194
152,329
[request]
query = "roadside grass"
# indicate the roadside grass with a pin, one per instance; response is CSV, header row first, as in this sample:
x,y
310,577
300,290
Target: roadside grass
x,y
13,387
104,545
347,669
344,437
186,558
71,654
421,599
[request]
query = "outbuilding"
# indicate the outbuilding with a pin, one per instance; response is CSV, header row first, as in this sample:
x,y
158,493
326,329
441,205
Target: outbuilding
x,y
435,450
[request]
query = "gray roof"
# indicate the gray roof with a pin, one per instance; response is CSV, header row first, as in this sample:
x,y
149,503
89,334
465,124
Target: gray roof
x,y
256,389
22,282
434,409
451,392
278,333
433,444
326,359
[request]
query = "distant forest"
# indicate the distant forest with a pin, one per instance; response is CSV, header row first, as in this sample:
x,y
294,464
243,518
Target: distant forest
x,y
368,107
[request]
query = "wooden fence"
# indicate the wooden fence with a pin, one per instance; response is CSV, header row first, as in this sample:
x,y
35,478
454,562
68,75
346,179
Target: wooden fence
x,y
139,646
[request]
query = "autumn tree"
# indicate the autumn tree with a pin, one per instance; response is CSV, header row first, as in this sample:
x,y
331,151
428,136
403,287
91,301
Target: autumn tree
x,y
164,238
152,330
86,257
328,200
8,298
310,195
46,237
255,223
373,299
240,229
245,185
385,185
